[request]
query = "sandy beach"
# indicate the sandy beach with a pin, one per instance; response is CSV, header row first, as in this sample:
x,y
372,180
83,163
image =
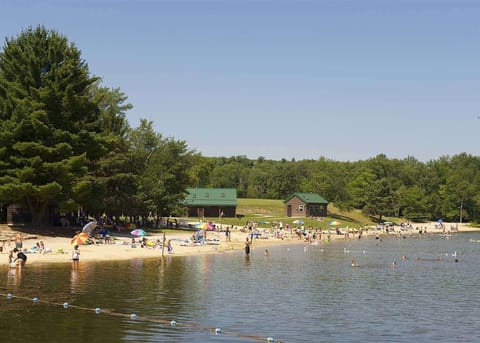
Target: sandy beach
x,y
120,248
60,248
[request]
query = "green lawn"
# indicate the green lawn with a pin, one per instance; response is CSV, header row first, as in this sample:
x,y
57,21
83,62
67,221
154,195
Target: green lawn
x,y
267,212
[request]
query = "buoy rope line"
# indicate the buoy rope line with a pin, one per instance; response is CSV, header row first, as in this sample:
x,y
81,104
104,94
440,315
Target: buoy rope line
x,y
134,316
371,252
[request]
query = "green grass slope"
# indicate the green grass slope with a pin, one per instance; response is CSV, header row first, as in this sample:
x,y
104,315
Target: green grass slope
x,y
267,212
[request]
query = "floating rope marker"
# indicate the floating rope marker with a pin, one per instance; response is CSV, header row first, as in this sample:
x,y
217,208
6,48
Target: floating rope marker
x,y
140,318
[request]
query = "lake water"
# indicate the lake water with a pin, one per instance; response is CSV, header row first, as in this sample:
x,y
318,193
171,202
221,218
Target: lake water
x,y
298,293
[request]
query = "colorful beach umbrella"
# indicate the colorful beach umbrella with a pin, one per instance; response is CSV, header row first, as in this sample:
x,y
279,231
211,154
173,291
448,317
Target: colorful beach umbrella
x,y
80,238
138,232
205,226
334,222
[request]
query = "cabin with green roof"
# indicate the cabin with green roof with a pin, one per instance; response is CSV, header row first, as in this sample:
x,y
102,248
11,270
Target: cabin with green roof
x,y
211,202
305,205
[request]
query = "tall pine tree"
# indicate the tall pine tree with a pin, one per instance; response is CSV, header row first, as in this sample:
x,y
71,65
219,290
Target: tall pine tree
x,y
49,125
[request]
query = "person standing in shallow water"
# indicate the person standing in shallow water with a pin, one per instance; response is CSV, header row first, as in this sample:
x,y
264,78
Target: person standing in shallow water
x,y
21,258
247,247
75,256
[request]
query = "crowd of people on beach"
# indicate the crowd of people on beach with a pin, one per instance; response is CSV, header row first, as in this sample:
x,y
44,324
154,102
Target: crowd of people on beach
x,y
17,255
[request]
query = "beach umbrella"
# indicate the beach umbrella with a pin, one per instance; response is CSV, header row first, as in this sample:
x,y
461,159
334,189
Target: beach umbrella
x,y
205,226
89,227
298,221
334,222
80,238
138,232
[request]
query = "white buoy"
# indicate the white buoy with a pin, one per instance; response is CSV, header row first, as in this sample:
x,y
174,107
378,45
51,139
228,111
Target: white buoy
x,y
304,249
364,251
270,339
97,310
218,330
9,296
133,316
65,305
173,323
35,300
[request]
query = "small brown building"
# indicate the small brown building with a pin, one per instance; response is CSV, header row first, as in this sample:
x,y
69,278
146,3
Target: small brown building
x,y
306,205
211,202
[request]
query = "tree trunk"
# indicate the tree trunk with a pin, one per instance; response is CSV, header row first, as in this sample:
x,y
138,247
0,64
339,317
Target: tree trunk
x,y
37,210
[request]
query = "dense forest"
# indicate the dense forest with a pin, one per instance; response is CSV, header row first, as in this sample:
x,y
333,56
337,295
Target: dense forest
x,y
65,143
447,188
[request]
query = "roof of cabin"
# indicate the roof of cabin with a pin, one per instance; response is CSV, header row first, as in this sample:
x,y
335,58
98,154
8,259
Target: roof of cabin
x,y
308,198
211,197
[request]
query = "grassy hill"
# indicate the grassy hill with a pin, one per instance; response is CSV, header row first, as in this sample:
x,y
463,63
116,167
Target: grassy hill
x,y
267,211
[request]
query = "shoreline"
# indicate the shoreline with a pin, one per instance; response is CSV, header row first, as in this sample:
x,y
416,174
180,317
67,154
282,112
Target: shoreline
x,y
120,249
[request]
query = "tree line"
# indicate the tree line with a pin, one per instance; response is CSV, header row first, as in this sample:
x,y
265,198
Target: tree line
x,y
446,188
65,144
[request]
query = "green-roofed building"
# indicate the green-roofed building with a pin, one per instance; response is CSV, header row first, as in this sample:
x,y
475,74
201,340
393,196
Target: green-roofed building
x,y
305,205
211,202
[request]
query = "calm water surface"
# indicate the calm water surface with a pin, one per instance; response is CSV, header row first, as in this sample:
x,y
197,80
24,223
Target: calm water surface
x,y
296,294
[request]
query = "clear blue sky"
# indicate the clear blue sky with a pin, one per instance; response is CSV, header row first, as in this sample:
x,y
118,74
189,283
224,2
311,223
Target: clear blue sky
x,y
346,80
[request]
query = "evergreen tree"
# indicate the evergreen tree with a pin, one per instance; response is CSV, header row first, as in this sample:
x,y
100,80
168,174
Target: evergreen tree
x,y
49,125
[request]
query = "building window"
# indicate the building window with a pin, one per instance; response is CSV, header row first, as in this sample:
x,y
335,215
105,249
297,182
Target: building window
x,y
301,208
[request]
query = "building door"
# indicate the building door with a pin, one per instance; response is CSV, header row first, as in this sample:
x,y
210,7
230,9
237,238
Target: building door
x,y
289,210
